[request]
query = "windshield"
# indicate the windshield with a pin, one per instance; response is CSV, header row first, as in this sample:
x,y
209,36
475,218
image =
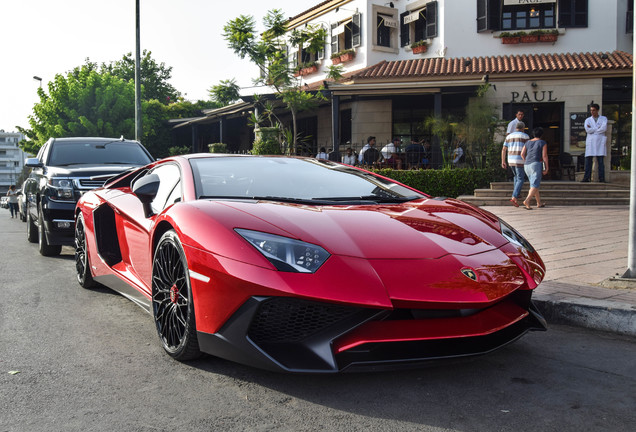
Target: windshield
x,y
294,180
99,153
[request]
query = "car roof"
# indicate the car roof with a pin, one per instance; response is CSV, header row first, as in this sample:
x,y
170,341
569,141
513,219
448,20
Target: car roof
x,y
92,140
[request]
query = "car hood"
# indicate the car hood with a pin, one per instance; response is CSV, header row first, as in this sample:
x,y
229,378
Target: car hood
x,y
87,170
421,229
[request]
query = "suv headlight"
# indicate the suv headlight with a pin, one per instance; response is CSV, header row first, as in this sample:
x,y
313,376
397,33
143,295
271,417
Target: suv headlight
x,y
514,237
61,189
286,254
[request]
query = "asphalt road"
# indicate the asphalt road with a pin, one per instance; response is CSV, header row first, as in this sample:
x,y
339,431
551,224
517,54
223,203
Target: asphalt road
x,y
89,360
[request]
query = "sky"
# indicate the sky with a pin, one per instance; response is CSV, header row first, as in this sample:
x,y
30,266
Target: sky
x,y
46,37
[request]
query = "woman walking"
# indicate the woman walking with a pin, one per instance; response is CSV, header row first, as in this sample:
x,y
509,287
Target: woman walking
x,y
535,156
13,200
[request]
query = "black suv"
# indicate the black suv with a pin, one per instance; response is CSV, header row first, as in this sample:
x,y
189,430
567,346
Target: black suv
x,y
63,170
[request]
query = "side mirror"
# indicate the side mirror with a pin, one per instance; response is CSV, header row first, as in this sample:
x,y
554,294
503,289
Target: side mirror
x,y
146,190
33,163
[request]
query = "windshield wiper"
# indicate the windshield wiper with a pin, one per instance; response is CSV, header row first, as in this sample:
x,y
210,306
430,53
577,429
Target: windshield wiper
x,y
307,201
372,198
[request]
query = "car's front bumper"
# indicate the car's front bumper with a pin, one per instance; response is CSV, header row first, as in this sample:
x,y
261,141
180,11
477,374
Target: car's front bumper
x,y
59,223
295,335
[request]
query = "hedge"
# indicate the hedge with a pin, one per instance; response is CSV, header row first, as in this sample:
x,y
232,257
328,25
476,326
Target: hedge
x,y
445,182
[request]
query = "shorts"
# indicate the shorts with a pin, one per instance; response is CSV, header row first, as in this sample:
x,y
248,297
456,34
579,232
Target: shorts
x,y
534,173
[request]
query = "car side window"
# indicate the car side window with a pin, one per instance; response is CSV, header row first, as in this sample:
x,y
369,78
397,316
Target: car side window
x,y
169,186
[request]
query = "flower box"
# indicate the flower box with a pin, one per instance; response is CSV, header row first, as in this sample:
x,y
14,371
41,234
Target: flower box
x,y
530,39
346,57
420,49
548,37
308,70
510,40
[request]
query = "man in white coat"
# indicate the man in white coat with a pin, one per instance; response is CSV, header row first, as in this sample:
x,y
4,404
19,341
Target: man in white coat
x,y
595,126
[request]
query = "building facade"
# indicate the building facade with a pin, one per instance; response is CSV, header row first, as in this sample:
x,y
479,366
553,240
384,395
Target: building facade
x,y
11,159
405,61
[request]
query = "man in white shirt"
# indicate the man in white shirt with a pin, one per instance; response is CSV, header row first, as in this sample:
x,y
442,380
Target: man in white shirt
x,y
370,144
595,126
512,126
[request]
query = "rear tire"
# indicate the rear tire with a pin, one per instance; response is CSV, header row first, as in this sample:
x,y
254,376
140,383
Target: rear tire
x,y
43,246
172,306
82,262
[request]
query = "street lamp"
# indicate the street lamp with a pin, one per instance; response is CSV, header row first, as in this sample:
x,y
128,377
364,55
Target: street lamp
x,y
37,78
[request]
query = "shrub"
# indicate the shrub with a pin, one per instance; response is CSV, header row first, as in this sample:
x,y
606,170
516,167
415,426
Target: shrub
x,y
217,148
266,141
176,151
445,182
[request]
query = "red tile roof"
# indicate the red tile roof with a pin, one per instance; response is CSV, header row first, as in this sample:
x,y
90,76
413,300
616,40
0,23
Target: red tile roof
x,y
478,66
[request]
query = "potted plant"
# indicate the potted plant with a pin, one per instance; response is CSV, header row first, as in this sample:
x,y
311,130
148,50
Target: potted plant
x,y
419,47
347,55
549,36
509,38
306,69
335,58
531,37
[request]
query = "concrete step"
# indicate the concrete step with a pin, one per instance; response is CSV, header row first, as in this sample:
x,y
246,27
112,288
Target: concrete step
x,y
549,201
563,185
549,192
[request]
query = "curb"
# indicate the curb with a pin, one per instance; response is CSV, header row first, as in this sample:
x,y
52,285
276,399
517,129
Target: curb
x,y
589,313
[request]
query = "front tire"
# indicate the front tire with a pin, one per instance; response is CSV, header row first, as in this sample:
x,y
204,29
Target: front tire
x,y
82,263
43,246
172,306
32,229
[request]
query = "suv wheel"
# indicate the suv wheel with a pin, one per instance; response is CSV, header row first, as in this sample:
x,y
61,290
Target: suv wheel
x,y
43,246
32,229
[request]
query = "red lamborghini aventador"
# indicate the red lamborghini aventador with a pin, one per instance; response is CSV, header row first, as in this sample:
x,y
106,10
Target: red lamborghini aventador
x,y
296,264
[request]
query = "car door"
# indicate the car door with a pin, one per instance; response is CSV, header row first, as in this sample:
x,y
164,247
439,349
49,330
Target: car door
x,y
136,227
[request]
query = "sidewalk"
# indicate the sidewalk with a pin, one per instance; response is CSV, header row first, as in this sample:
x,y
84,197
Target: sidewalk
x,y
582,247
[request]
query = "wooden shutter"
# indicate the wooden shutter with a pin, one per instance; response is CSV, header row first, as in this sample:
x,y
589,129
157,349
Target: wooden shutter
x,y
356,30
573,13
488,15
405,36
334,39
431,19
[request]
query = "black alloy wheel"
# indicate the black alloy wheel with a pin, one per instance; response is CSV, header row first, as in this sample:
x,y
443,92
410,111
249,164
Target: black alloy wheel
x,y
43,246
32,229
82,263
172,306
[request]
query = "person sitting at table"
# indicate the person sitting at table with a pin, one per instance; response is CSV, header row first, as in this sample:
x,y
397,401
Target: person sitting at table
x,y
373,155
349,158
390,154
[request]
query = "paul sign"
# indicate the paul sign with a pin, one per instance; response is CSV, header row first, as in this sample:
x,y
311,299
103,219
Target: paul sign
x,y
534,96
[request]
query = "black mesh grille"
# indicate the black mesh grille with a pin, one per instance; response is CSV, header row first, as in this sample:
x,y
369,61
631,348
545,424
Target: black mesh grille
x,y
284,319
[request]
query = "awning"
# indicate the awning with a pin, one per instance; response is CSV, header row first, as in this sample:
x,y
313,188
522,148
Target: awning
x,y
389,22
341,28
413,16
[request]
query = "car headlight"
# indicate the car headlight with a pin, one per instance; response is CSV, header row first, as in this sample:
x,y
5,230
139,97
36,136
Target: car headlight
x,y
514,237
61,189
286,254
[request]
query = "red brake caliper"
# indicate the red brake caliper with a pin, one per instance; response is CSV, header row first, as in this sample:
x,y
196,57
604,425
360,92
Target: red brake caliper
x,y
174,293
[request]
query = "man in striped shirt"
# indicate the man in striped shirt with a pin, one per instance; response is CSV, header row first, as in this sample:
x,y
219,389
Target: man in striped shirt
x,y
512,147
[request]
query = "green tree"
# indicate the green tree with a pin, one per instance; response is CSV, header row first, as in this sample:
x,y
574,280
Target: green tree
x,y
267,51
84,102
89,101
154,76
225,92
